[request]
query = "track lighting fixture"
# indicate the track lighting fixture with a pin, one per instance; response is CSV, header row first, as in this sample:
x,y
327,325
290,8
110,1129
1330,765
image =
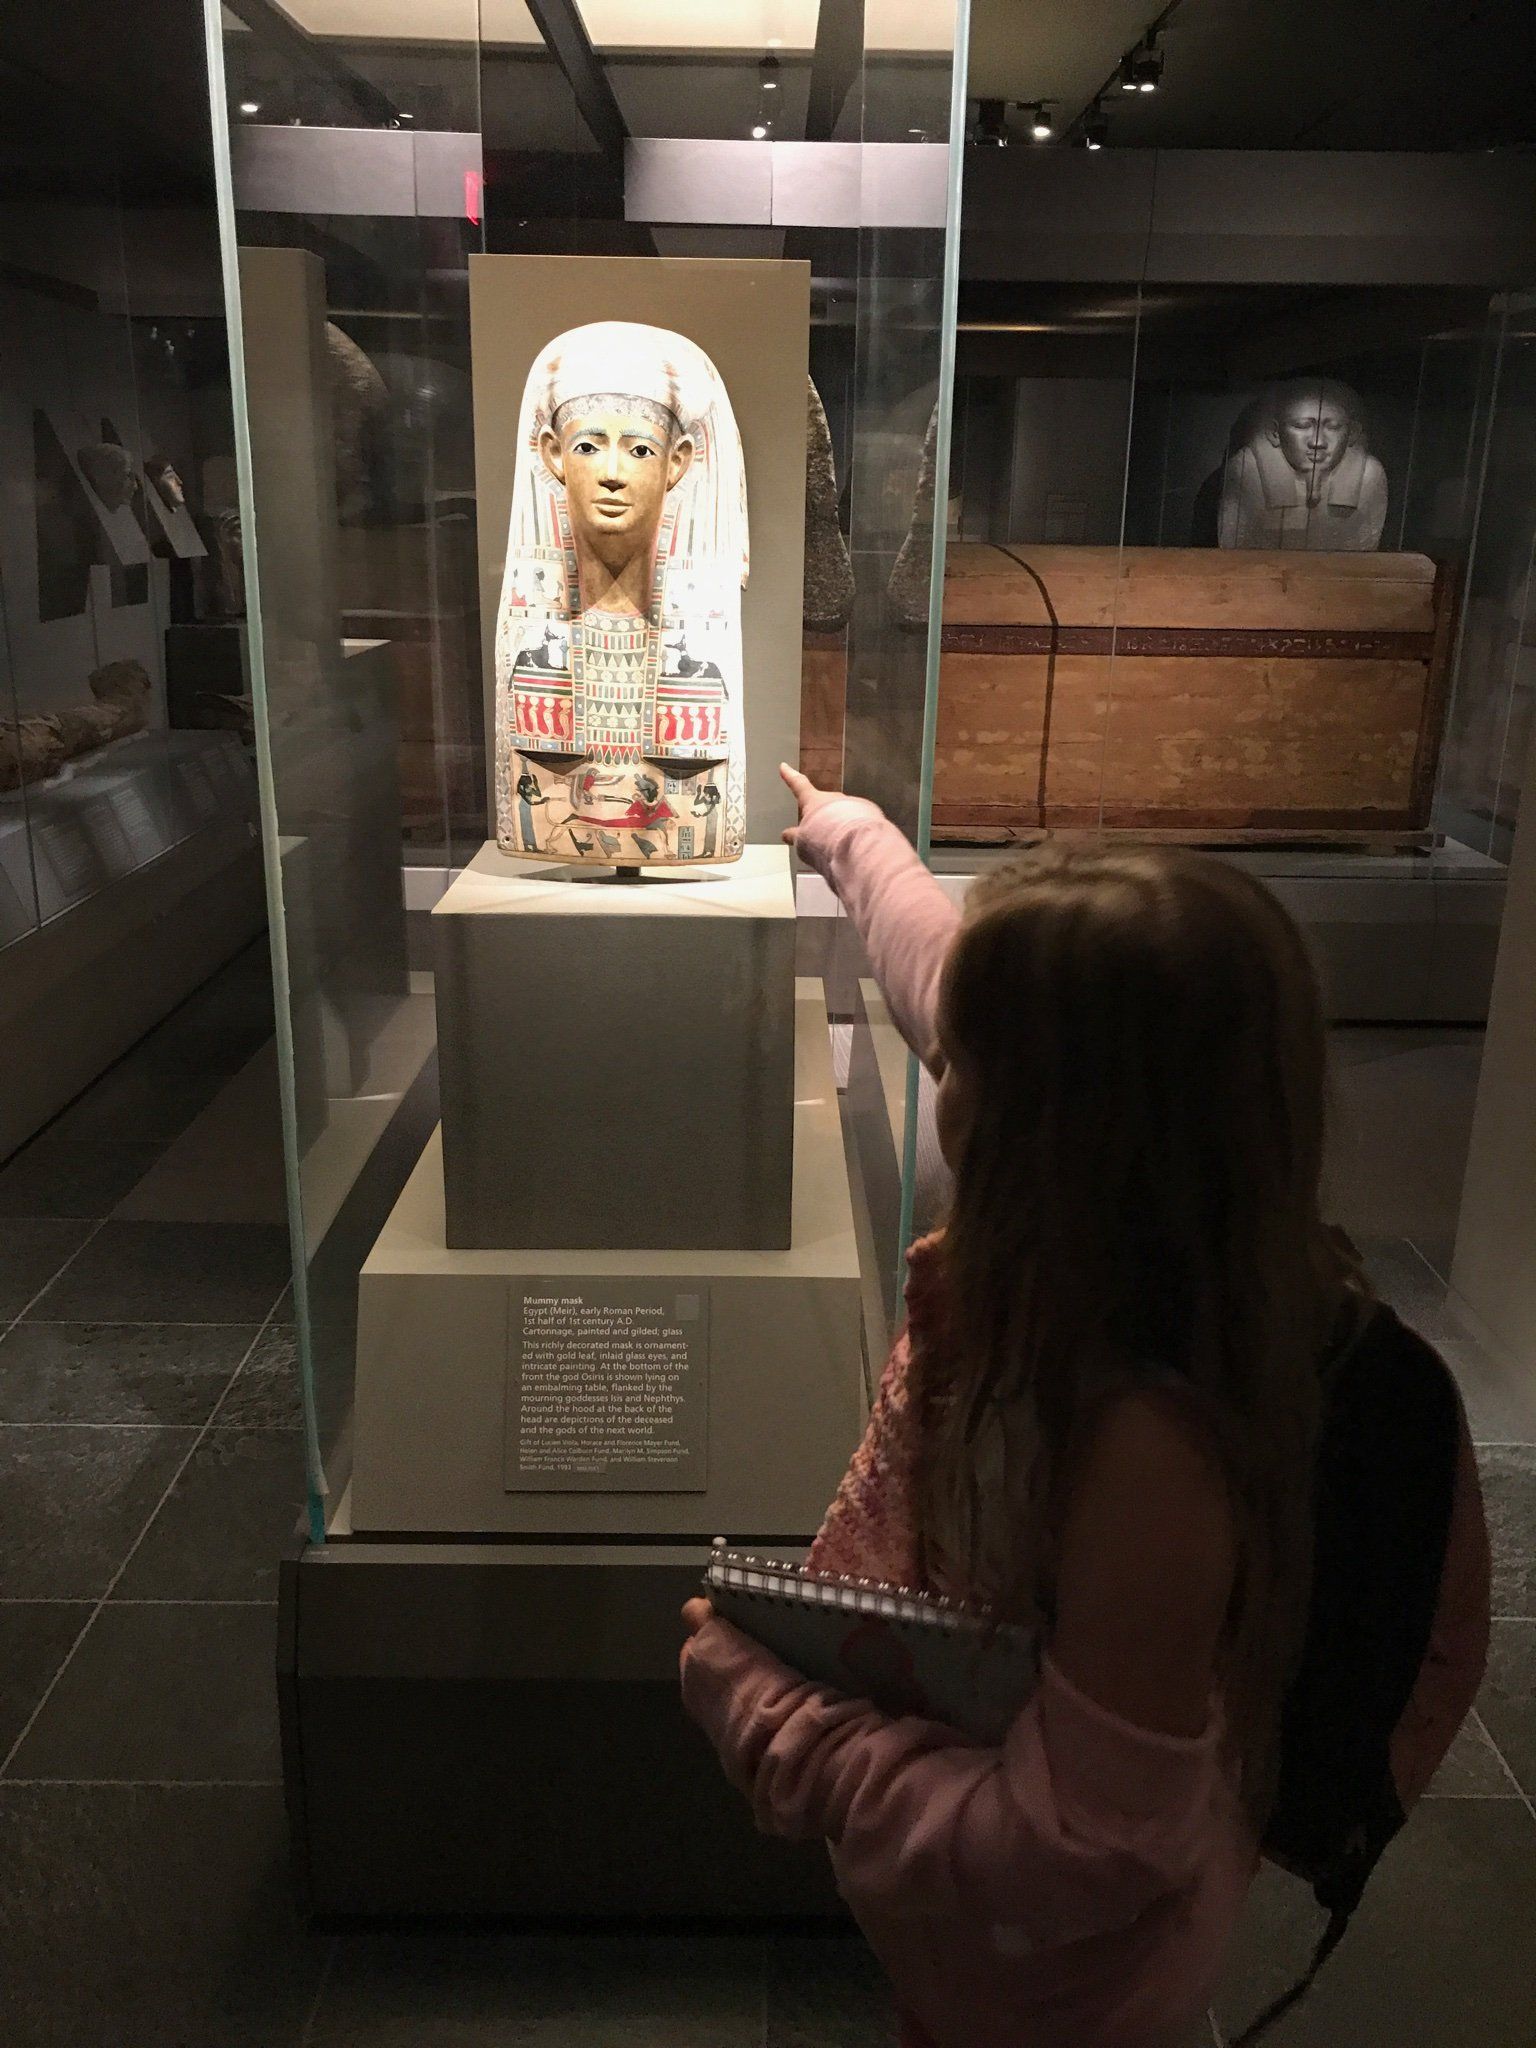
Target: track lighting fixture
x,y
1147,67
1041,125
1095,128
992,123
767,97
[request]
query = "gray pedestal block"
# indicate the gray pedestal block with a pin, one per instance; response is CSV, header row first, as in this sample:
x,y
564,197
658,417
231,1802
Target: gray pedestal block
x,y
784,1366
617,1056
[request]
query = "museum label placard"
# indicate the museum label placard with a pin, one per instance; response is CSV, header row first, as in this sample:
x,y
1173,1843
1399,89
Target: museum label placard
x,y
607,1388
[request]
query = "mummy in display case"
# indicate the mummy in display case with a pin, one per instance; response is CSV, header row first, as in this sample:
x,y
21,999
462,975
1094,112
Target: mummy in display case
x,y
619,736
1303,475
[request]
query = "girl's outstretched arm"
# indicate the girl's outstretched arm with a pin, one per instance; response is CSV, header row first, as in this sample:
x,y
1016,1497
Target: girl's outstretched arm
x,y
902,915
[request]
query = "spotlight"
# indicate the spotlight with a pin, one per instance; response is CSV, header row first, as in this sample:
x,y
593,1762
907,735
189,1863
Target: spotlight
x,y
759,131
1095,129
992,123
250,106
1041,126
1146,67
1128,73
768,73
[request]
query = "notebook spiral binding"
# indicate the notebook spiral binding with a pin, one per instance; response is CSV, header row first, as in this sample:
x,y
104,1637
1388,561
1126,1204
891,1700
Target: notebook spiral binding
x,y
766,1579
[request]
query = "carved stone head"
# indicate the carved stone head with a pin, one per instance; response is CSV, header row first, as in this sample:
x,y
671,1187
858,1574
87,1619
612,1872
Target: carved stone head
x,y
1314,422
618,642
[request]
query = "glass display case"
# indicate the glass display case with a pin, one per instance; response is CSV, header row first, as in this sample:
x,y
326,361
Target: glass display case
x,y
592,401
407,225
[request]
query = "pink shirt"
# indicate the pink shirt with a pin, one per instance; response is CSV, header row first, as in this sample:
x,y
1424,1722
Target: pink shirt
x,y
1076,1887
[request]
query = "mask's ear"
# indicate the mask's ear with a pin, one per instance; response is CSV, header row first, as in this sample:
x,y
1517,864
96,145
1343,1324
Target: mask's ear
x,y
679,461
553,454
1272,433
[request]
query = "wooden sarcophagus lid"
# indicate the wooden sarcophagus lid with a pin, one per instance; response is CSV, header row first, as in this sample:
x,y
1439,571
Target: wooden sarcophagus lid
x,y
1193,693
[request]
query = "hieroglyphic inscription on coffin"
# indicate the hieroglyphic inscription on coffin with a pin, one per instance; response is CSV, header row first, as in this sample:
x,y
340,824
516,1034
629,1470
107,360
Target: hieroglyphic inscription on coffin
x,y
1190,692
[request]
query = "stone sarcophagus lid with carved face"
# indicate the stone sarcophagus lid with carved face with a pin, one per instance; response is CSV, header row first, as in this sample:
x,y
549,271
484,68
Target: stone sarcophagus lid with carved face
x,y
619,735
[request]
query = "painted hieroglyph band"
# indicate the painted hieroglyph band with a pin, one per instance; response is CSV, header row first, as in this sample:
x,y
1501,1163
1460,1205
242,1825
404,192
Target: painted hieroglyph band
x,y
1255,643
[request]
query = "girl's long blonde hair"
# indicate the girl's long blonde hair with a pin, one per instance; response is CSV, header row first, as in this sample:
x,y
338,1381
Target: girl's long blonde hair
x,y
1141,1034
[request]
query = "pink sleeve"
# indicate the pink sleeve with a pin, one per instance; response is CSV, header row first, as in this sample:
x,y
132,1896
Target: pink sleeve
x,y
1074,1827
904,918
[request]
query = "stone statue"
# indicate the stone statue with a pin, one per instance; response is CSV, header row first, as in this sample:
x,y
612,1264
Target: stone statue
x,y
618,640
829,587
109,471
1302,475
359,401
38,745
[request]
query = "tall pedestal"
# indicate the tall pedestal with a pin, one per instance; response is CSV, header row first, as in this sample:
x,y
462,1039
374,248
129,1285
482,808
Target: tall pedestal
x,y
617,1056
770,1414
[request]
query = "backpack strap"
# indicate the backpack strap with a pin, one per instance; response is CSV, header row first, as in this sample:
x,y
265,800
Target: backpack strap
x,y
1277,2008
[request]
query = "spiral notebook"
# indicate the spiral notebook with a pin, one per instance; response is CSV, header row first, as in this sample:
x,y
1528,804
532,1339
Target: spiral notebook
x,y
908,1653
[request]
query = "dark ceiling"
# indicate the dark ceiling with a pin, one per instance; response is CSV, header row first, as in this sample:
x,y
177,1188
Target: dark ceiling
x,y
1276,74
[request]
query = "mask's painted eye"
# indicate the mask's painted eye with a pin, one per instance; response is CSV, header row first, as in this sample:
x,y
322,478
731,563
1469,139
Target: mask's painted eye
x,y
584,447
642,448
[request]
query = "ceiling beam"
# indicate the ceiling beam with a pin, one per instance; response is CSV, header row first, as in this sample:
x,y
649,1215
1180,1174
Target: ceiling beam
x,y
835,65
566,39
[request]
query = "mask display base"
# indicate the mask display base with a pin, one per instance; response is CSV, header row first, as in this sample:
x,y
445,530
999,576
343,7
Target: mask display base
x,y
436,1349
617,1059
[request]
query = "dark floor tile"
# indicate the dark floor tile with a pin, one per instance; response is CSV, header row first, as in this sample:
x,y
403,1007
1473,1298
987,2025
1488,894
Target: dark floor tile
x,y
184,1692
73,1501
231,1516
1508,1700
53,1178
173,1273
1471,1769
35,1636
265,1393
136,1102
118,1372
205,1042
494,1991
1438,1955
1500,1401
1509,1497
32,1250
151,1917
827,1993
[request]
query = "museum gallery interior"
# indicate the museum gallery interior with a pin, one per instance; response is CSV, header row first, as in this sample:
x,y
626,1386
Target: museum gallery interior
x,y
456,1159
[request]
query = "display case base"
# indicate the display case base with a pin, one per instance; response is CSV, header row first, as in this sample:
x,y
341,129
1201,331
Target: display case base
x,y
494,1730
784,1371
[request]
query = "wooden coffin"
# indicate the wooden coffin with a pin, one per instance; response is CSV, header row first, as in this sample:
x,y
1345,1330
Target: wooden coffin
x,y
1191,693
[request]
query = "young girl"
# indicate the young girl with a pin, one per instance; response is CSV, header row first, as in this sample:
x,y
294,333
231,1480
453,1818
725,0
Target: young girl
x,y
1099,1419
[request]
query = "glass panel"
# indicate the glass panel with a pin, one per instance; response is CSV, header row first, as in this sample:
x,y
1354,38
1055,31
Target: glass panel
x,y
911,108
352,194
364,171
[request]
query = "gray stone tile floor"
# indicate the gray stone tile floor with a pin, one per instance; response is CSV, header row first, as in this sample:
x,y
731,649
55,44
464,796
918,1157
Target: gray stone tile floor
x,y
151,1474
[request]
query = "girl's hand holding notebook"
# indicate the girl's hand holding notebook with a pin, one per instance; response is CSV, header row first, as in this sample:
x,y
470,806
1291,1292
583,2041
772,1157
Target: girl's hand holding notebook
x,y
905,1652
